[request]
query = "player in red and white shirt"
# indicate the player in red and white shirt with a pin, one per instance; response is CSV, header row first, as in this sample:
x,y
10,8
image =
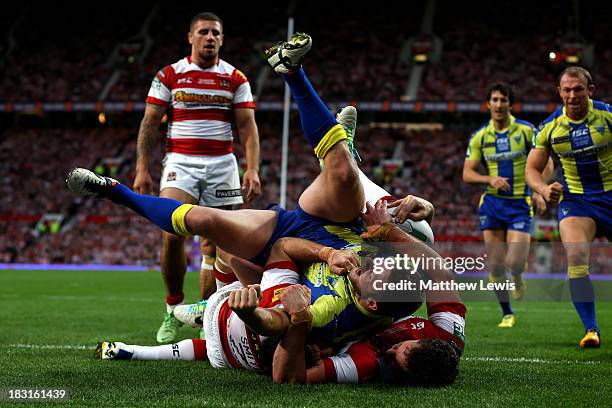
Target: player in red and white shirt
x,y
412,349
204,98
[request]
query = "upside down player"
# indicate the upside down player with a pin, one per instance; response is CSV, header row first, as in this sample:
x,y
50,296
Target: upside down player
x,y
428,362
580,135
412,350
505,209
250,234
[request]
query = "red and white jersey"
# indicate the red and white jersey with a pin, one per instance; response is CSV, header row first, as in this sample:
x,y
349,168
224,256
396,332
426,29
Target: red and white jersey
x,y
200,105
241,346
364,359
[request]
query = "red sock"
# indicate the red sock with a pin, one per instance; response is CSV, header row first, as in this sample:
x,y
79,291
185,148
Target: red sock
x,y
199,348
175,298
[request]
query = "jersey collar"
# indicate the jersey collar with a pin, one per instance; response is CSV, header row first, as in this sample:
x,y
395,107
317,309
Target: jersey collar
x,y
510,127
587,117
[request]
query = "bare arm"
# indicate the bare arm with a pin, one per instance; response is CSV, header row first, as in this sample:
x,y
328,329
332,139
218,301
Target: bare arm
x,y
249,137
147,137
301,250
536,166
472,176
289,363
265,321
380,226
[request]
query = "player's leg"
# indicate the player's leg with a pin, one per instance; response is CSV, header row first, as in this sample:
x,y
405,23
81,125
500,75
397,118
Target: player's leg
x,y
243,233
495,246
577,233
336,194
173,266
207,275
186,350
518,243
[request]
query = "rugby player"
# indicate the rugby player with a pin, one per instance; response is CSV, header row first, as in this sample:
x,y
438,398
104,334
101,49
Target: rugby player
x,y
580,135
432,362
505,209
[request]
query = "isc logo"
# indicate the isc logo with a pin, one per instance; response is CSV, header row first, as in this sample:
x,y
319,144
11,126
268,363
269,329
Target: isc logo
x,y
580,132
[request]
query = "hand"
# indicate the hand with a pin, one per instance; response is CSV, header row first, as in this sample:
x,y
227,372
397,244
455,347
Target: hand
x,y
552,192
500,183
377,215
251,186
538,203
413,208
343,261
143,183
245,300
296,301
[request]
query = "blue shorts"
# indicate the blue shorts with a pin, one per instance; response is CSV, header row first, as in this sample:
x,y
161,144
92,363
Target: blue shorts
x,y
299,224
598,207
505,213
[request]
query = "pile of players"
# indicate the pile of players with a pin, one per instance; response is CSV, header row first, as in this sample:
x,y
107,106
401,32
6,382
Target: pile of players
x,y
302,294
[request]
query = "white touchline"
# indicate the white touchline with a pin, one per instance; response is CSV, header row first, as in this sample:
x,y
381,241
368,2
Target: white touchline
x,y
52,346
528,360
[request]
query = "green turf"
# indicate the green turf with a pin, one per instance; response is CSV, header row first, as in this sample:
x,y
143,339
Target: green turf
x,y
75,309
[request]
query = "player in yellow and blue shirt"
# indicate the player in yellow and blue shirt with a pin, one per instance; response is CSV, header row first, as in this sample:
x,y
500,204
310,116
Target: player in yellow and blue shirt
x,y
580,135
505,211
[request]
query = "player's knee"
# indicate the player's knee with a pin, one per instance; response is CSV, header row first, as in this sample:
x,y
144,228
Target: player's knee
x,y
344,174
577,256
207,247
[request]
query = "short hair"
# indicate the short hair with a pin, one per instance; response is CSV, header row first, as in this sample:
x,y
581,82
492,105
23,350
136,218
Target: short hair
x,y
205,16
502,88
433,363
576,72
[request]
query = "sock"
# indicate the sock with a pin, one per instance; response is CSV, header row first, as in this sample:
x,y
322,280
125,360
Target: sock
x,y
501,294
156,209
174,300
583,297
317,120
223,273
504,301
187,350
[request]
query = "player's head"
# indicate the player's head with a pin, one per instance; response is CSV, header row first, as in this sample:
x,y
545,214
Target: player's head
x,y
427,362
205,36
575,88
500,98
385,291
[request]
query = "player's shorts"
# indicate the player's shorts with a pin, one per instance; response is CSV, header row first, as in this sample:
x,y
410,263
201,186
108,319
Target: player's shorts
x,y
505,213
212,180
598,207
299,224
229,343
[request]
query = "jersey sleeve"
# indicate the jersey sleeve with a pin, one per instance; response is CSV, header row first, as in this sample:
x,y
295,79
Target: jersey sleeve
x,y
449,319
474,150
540,140
243,98
356,365
160,92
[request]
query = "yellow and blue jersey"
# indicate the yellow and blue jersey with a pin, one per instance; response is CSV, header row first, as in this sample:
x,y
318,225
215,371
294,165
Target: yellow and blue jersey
x,y
337,316
584,148
504,154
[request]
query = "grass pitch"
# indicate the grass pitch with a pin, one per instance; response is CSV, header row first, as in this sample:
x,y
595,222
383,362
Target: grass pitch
x,y
51,322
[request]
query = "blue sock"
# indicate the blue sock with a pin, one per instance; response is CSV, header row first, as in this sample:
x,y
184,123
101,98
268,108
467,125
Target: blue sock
x,y
504,301
316,118
155,209
583,297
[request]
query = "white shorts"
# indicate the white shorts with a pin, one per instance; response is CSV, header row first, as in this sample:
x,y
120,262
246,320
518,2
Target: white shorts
x,y
212,180
275,277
